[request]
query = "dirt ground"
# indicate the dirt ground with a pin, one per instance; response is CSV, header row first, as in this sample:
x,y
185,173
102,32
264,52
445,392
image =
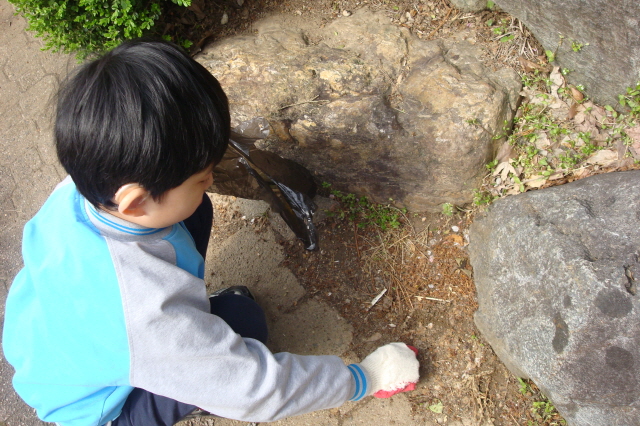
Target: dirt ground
x,y
429,302
422,267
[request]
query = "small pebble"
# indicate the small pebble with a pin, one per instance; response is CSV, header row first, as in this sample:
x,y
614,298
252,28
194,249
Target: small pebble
x,y
225,19
455,228
346,13
376,336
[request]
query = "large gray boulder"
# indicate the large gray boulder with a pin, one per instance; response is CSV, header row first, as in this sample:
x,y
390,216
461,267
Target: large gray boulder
x,y
556,272
469,5
368,107
610,62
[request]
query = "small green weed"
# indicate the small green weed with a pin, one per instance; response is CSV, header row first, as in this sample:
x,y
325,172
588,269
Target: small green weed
x,y
481,198
448,209
576,47
542,410
491,166
631,100
551,56
364,213
524,386
501,29
546,414
536,80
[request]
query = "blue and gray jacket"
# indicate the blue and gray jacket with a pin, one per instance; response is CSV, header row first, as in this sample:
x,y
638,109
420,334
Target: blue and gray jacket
x,y
103,306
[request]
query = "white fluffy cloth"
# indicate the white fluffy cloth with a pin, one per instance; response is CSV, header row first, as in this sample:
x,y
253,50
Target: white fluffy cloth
x,y
390,368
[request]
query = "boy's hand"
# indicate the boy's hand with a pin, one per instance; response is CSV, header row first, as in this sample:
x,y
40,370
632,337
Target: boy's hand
x,y
390,369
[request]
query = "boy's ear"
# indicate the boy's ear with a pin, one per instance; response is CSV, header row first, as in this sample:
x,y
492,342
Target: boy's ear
x,y
130,199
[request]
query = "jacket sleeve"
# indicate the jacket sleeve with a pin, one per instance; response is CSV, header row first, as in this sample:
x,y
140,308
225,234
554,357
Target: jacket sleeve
x,y
181,351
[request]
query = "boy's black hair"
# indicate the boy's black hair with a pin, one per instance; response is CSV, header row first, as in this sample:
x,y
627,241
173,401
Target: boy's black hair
x,y
143,113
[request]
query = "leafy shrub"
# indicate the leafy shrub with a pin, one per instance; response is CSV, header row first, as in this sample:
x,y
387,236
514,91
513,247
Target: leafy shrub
x,y
86,26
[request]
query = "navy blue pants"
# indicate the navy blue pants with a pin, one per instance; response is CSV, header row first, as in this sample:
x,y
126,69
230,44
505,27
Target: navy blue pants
x,y
241,313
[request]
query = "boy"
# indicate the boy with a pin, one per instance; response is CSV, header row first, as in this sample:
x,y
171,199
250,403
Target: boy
x,y
109,321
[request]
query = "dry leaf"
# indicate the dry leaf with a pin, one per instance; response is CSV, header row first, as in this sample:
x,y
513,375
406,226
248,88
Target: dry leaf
x,y
530,66
581,173
599,113
621,148
197,9
542,141
503,169
556,176
455,239
557,104
634,134
573,111
505,152
576,94
635,149
535,181
557,81
568,143
603,158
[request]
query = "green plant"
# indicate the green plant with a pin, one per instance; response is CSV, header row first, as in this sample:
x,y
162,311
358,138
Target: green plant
x,y
481,198
576,47
363,213
536,80
524,386
546,413
568,160
491,166
518,182
507,38
631,99
500,29
88,26
551,56
542,409
448,209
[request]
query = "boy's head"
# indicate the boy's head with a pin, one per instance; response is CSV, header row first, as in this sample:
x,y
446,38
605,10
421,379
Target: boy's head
x,y
145,116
